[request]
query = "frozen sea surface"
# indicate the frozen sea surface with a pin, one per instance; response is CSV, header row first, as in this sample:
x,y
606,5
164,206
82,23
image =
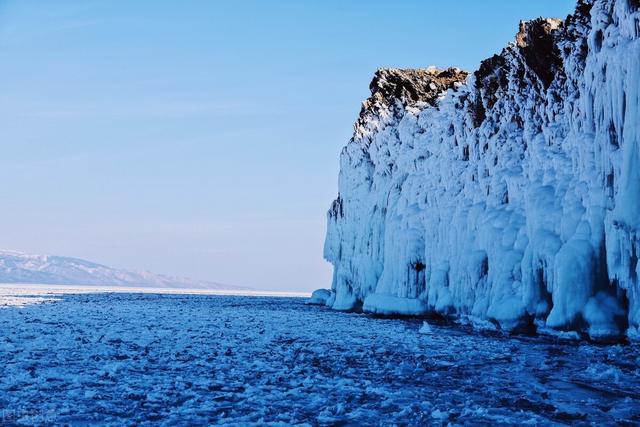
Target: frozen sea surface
x,y
153,359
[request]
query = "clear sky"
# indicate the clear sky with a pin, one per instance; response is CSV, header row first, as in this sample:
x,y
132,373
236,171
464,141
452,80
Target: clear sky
x,y
201,138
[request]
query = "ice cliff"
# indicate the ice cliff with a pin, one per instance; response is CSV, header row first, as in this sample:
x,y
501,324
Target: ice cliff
x,y
511,194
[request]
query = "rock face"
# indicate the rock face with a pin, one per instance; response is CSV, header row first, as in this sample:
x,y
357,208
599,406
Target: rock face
x,y
511,194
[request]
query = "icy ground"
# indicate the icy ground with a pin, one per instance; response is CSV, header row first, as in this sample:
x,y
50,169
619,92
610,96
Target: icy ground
x,y
195,359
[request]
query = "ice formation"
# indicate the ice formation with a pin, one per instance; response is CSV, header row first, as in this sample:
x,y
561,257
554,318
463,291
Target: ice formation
x,y
319,297
511,194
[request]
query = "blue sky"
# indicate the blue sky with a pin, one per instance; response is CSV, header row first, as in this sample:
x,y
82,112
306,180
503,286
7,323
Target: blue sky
x,y
201,138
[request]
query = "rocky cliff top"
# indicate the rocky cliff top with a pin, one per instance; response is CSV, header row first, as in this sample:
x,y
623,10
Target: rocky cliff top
x,y
531,32
408,86
411,86
536,42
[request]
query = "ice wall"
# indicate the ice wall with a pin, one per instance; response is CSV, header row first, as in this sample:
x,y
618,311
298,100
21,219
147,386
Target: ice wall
x,y
511,194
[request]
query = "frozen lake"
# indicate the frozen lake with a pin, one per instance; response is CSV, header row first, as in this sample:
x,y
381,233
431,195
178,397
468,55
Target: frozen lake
x,y
196,359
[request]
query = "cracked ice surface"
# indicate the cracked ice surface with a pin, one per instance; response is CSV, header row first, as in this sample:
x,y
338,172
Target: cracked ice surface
x,y
150,359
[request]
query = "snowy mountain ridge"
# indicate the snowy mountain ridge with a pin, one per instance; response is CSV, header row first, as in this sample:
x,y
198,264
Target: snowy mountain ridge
x,y
511,194
19,267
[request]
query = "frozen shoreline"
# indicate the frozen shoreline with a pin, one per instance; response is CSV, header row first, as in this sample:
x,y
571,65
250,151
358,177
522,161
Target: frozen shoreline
x,y
19,294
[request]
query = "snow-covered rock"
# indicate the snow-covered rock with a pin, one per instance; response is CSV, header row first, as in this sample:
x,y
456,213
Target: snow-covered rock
x,y
19,267
425,329
510,194
320,297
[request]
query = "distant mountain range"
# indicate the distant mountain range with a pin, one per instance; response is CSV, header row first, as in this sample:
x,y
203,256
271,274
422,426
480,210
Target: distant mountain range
x,y
18,267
